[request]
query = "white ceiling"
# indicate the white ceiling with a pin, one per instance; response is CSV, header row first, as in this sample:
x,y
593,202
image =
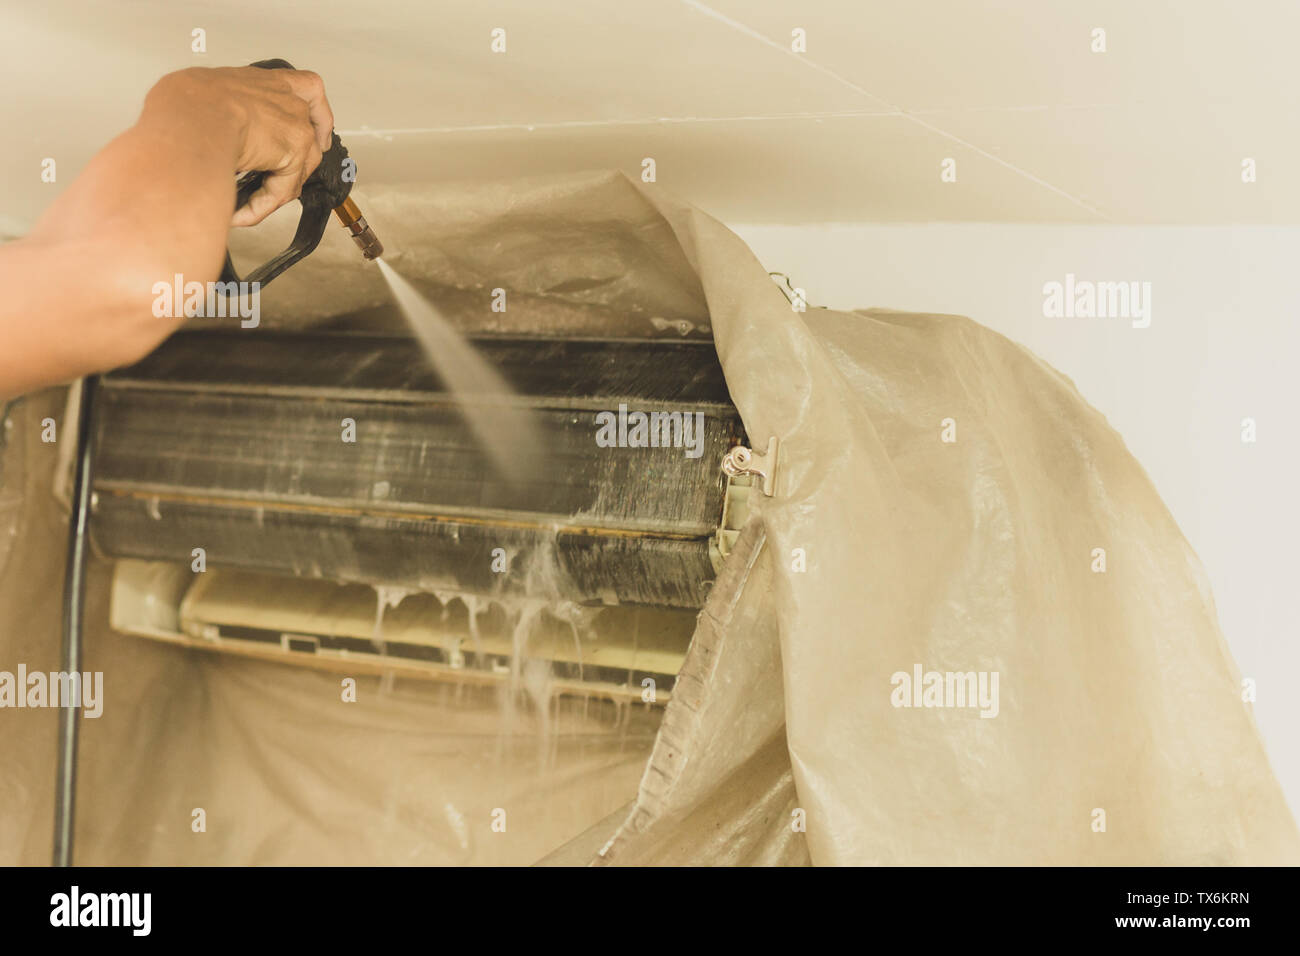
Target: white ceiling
x,y
1043,130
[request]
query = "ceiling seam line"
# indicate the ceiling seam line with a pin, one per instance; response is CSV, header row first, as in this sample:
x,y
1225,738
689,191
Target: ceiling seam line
x,y
813,64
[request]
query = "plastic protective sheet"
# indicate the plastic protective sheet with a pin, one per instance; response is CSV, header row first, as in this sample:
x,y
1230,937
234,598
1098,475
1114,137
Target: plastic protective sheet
x,y
940,500
12,483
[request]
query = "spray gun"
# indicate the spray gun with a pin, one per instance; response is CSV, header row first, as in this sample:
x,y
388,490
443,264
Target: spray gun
x,y
326,190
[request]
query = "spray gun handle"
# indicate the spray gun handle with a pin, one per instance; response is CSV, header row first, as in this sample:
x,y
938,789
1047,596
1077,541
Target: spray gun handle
x,y
324,190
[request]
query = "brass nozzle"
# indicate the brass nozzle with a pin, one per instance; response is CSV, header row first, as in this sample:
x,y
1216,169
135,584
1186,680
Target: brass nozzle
x,y
362,234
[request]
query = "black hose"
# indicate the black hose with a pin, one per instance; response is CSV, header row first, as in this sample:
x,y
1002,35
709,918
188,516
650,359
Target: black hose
x,y
74,598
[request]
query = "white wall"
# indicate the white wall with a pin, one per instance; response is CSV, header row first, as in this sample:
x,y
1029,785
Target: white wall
x,y
1223,345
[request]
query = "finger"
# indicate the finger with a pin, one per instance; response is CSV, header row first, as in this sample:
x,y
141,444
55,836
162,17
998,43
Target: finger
x,y
275,192
310,87
311,161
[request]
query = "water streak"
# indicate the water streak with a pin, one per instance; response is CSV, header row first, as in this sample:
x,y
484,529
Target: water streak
x,y
505,429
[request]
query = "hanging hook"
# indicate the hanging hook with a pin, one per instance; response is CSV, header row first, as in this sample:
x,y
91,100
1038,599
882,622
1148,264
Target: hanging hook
x,y
742,461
